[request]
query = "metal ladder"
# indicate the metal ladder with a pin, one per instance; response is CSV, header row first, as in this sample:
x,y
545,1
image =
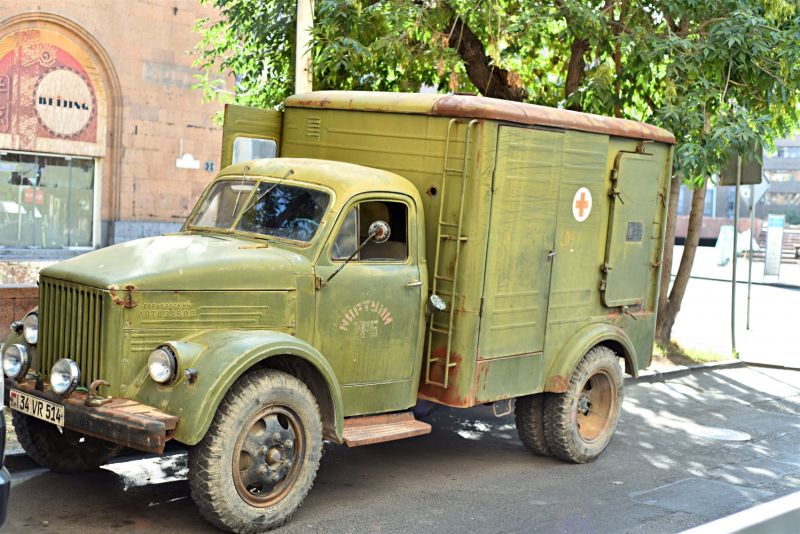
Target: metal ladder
x,y
433,327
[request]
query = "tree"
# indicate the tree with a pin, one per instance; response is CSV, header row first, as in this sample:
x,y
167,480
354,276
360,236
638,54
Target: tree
x,y
719,74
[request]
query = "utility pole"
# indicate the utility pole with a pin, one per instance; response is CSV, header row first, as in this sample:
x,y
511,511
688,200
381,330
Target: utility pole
x,y
750,256
302,64
735,248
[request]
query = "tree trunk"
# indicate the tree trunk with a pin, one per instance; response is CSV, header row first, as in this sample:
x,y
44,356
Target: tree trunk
x,y
668,307
577,65
488,78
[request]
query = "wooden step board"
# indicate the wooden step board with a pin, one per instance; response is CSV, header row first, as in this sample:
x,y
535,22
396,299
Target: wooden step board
x,y
379,428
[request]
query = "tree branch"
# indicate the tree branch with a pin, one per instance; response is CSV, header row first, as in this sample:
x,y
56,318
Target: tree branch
x,y
488,78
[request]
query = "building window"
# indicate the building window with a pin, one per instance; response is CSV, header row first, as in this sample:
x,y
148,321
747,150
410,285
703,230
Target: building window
x,y
782,176
46,201
789,152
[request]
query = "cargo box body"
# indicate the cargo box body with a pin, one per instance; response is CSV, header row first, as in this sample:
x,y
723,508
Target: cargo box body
x,y
562,226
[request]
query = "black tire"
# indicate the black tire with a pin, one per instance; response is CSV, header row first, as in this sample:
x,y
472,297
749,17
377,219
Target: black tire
x,y
580,423
269,414
61,450
529,416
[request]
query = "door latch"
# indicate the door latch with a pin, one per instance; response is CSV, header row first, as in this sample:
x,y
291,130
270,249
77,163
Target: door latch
x,y
616,193
552,253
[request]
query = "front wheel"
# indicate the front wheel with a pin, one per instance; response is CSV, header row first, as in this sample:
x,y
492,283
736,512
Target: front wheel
x,y
60,449
579,423
259,458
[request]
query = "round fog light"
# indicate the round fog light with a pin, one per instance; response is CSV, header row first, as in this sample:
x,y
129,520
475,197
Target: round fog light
x,y
163,365
64,376
30,328
16,361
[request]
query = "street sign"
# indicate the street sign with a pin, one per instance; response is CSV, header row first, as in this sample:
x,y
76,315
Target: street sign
x,y
751,171
775,226
759,190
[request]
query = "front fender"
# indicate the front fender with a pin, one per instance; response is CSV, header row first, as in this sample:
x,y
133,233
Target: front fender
x,y
579,344
220,358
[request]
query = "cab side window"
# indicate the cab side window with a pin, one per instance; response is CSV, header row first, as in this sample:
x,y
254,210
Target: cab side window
x,y
356,229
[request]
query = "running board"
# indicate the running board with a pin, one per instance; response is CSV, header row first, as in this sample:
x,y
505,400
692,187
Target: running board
x,y
379,428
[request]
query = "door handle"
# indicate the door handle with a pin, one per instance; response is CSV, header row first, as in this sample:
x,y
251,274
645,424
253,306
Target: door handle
x,y
415,284
552,253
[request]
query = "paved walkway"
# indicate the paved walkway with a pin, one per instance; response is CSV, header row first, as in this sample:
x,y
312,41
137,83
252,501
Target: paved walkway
x,y
705,316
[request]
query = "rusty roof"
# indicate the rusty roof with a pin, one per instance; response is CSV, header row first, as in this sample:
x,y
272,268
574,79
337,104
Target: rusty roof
x,y
478,107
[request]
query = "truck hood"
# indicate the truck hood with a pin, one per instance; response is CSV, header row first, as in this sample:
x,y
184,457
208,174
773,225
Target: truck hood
x,y
183,262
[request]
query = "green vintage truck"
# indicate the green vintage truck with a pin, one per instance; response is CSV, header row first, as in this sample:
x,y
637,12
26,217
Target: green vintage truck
x,y
361,258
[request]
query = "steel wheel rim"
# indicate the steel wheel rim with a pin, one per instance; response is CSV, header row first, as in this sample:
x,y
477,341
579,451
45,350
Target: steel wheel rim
x,y
594,406
267,456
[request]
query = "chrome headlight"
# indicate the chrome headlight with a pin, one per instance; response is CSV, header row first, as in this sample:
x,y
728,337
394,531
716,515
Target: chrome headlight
x,y
16,361
30,328
65,376
163,365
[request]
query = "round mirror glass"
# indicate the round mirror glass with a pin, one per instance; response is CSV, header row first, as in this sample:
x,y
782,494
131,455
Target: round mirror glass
x,y
380,231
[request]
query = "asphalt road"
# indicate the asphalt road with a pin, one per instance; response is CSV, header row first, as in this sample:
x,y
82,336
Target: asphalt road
x,y
687,451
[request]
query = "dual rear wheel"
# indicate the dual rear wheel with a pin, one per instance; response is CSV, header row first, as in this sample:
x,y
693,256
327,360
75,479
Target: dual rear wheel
x,y
577,425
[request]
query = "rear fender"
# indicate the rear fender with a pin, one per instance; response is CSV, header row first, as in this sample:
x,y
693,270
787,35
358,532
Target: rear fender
x,y
579,344
220,358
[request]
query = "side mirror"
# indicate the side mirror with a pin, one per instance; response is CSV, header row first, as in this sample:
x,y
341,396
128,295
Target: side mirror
x,y
379,231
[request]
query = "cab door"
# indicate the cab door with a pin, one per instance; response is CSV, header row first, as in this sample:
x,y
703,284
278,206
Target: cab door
x,y
250,133
369,316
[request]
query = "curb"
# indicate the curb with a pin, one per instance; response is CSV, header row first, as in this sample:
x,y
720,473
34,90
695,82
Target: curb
x,y
684,371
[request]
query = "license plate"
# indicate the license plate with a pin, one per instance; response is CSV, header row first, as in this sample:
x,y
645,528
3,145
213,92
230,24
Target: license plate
x,y
41,409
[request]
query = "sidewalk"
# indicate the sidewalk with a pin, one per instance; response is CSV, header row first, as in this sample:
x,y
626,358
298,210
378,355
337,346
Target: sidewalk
x,y
705,316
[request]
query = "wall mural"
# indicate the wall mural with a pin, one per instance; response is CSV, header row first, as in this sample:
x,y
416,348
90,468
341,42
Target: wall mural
x,y
52,98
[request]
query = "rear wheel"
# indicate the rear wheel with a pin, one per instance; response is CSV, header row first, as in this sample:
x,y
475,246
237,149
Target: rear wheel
x,y
259,458
60,449
529,416
580,423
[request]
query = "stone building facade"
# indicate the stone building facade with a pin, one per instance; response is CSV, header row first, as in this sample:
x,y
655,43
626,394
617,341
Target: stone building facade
x,y
102,139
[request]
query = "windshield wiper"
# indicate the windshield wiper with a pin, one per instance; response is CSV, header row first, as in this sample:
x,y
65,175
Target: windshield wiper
x,y
291,172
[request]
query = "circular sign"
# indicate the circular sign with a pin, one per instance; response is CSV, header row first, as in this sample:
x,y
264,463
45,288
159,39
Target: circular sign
x,y
582,204
64,102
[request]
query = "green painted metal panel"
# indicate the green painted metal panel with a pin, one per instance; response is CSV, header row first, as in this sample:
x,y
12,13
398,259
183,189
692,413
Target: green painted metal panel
x,y
521,237
243,121
368,317
579,240
630,229
373,398
505,378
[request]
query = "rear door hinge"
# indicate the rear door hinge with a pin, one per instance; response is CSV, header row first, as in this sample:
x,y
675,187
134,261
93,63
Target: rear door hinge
x,y
614,174
319,283
602,285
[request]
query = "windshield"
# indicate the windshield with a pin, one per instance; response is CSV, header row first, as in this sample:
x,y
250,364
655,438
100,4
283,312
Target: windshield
x,y
275,210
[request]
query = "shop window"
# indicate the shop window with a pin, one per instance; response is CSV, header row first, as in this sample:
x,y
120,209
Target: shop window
x,y
46,201
356,229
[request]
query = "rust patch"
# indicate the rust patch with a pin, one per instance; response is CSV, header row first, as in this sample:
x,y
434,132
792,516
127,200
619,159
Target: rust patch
x,y
431,191
557,384
126,300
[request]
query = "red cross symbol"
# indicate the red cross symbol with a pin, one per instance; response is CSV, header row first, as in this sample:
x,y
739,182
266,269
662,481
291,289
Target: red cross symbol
x,y
581,204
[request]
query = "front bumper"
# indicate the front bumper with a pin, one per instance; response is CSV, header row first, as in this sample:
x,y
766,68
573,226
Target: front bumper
x,y
122,421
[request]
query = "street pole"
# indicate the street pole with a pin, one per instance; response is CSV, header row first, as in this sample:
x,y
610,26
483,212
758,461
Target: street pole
x,y
302,63
750,256
735,248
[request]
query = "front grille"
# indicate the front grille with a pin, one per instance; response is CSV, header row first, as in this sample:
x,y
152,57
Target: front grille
x,y
70,326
